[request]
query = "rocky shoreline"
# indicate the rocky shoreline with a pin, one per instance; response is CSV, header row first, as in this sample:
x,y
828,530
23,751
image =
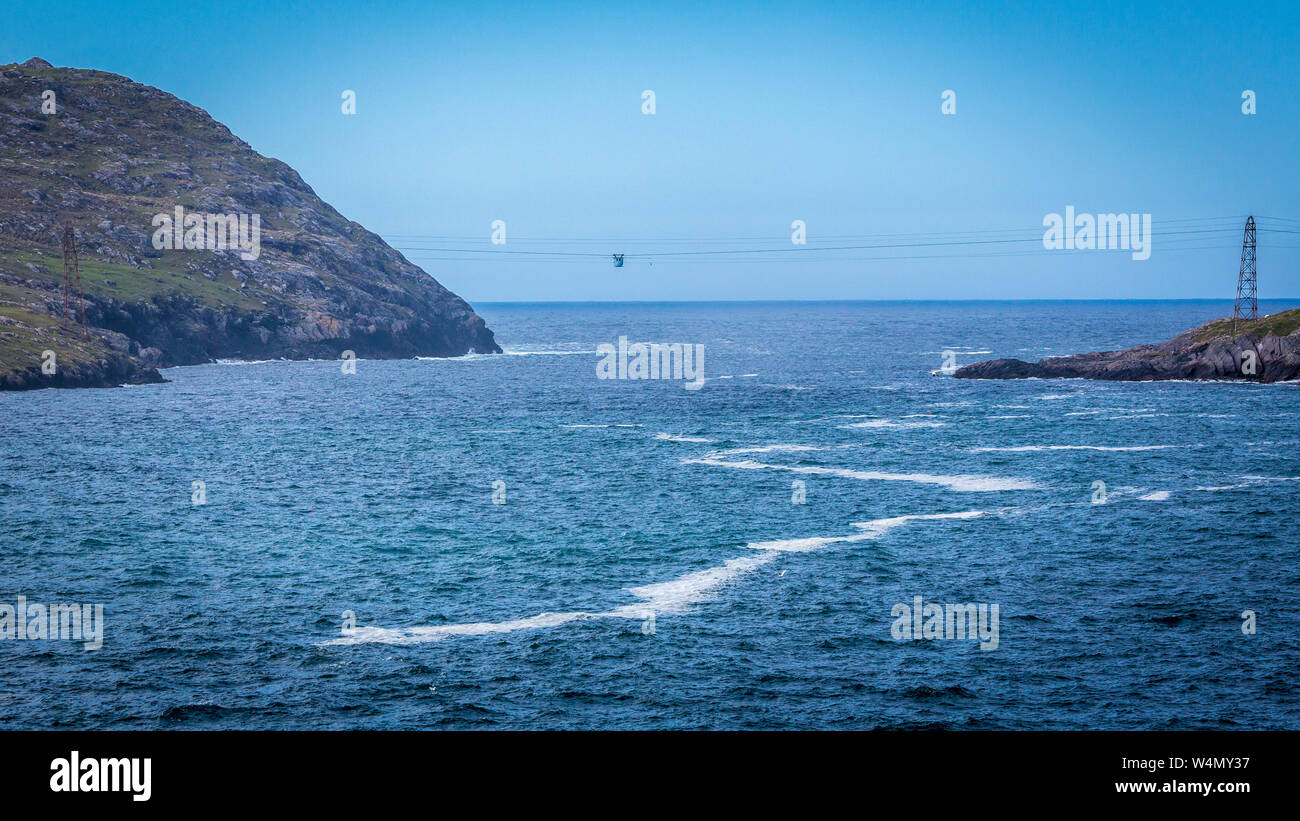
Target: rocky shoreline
x,y
1260,350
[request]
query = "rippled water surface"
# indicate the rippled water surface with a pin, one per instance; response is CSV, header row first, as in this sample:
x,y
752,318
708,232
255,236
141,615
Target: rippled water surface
x,y
373,493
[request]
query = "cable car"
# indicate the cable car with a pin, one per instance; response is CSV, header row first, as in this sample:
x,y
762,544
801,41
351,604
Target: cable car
x,y
618,260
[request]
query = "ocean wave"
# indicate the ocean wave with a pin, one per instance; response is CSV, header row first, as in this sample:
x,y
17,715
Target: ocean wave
x,y
766,449
887,423
1251,481
1035,448
669,437
960,482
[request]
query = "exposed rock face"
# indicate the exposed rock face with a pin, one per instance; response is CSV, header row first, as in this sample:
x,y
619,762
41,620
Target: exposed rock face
x,y
116,153
1261,350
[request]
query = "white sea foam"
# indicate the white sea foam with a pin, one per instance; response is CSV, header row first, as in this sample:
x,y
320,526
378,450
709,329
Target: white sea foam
x,y
497,357
1035,448
959,482
1014,416
673,596
887,423
765,449
882,526
873,529
803,545
418,635
1057,396
676,595
1251,481
670,437
1156,496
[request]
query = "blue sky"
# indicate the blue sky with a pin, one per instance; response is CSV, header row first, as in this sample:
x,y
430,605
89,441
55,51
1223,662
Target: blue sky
x,y
765,113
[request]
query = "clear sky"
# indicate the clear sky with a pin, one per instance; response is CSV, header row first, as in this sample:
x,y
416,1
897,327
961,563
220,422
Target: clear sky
x,y
830,113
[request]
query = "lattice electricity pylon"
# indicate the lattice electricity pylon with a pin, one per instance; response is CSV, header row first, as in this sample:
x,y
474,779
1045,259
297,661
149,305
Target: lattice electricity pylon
x,y
71,277
1246,285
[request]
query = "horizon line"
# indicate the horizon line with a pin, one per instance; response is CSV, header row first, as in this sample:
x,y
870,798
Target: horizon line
x,y
843,301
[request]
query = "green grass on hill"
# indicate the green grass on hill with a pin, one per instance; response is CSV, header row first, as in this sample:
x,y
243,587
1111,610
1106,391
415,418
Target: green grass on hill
x,y
1281,324
123,282
24,334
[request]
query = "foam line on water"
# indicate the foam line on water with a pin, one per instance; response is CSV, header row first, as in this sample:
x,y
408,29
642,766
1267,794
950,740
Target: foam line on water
x,y
1250,481
673,596
676,595
889,423
959,482
873,529
1036,448
672,437
766,449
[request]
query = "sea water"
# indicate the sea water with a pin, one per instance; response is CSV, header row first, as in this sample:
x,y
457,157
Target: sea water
x,y
510,541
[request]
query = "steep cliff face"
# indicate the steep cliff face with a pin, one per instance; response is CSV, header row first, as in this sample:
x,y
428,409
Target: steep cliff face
x,y
112,156
1260,350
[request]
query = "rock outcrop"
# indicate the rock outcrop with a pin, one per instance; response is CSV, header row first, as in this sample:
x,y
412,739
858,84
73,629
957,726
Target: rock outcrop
x,y
1260,350
107,155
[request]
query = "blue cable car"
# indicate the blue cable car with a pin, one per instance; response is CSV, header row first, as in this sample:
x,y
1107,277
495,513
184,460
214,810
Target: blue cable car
x,y
618,260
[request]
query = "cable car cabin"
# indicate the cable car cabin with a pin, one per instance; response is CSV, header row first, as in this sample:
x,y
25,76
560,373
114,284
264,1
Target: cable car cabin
x,y
618,260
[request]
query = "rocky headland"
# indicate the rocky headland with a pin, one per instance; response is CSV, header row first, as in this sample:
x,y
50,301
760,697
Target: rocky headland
x,y
108,155
1259,350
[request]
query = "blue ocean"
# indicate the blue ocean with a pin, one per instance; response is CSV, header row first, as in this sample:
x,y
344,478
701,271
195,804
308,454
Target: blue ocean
x,y
509,541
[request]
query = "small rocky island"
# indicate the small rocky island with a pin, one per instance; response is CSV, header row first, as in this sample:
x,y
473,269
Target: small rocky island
x,y
112,157
1255,350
